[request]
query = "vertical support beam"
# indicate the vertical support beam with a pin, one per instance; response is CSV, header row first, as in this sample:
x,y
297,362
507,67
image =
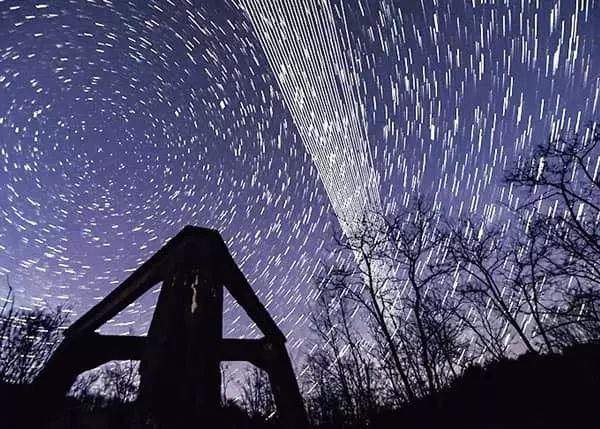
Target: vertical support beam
x,y
180,373
285,387
163,382
204,359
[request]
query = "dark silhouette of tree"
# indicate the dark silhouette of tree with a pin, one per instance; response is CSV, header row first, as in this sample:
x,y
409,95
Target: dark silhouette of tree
x,y
561,179
120,380
503,280
27,338
408,302
322,401
360,274
343,362
428,297
577,319
85,390
386,280
256,395
418,256
560,182
481,259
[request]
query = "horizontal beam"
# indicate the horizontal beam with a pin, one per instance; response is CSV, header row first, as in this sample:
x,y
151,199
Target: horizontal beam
x,y
71,358
159,267
243,350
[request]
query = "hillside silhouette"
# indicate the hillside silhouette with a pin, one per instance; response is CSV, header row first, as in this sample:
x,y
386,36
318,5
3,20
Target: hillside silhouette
x,y
533,391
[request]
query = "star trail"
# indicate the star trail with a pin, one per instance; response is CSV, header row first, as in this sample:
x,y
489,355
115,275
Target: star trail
x,y
121,122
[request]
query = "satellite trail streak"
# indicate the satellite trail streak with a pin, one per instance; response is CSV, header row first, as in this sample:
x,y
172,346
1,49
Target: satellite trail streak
x,y
321,88
302,44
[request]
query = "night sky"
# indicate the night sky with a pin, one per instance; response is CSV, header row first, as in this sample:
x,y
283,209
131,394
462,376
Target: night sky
x,y
123,121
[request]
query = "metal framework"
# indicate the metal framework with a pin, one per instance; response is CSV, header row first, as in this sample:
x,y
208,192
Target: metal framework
x,y
180,379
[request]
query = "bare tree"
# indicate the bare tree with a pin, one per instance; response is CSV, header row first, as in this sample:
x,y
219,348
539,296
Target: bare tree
x,y
342,358
28,338
532,276
84,384
329,356
417,255
560,181
226,379
322,400
416,301
121,380
256,395
483,261
561,178
486,334
391,266
359,274
577,319
450,348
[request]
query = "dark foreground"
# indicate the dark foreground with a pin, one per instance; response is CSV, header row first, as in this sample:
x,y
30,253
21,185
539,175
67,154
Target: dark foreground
x,y
534,392
541,392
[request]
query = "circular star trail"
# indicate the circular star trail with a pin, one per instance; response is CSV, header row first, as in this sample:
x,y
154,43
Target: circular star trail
x,y
121,122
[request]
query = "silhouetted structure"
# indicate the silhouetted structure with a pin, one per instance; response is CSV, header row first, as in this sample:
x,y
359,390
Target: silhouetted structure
x,y
180,357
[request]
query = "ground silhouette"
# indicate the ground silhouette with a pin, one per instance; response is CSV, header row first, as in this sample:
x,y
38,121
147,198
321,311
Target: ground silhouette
x,y
532,391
